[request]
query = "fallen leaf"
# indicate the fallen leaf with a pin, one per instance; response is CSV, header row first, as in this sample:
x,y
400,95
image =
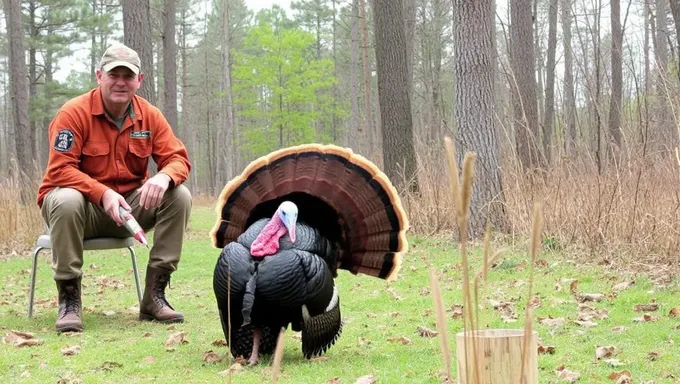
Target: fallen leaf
x,y
546,349
394,294
109,366
652,356
318,359
424,291
617,375
395,314
94,267
591,297
456,311
619,328
236,367
535,302
108,313
335,380
220,343
403,339
675,312
21,339
426,332
176,338
211,357
623,285
646,318
573,286
602,352
363,341
369,379
585,324
567,375
71,351
553,322
613,362
646,307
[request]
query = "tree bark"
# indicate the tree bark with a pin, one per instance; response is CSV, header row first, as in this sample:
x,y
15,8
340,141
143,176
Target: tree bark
x,y
524,84
550,82
675,10
227,111
617,77
170,64
474,105
137,31
357,130
368,115
569,92
399,158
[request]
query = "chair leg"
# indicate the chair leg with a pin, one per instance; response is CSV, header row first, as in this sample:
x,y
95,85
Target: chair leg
x,y
31,292
133,255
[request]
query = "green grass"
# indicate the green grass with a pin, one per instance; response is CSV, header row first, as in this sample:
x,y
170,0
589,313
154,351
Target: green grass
x,y
373,315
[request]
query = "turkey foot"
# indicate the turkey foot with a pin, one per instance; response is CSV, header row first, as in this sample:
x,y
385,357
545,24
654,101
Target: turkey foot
x,y
257,334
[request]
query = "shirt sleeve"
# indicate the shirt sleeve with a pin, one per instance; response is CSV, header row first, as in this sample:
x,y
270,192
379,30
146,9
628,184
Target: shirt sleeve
x,y
169,152
66,143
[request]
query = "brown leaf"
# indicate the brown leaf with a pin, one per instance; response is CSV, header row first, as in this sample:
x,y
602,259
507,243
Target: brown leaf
x,y
619,328
535,302
235,368
335,380
456,311
318,359
652,356
71,351
546,349
567,375
394,294
646,318
613,362
176,338
220,343
426,332
675,312
147,334
617,375
424,291
585,324
573,286
553,322
403,339
369,379
646,307
109,366
395,314
591,297
211,357
21,339
623,285
602,352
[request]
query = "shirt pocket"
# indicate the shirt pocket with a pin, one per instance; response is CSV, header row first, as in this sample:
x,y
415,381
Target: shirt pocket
x,y
95,158
138,155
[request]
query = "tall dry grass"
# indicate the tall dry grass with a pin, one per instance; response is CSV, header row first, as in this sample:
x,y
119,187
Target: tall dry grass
x,y
20,223
627,215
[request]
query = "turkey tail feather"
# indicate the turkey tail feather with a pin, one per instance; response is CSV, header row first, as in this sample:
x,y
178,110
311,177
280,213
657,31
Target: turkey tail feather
x,y
342,194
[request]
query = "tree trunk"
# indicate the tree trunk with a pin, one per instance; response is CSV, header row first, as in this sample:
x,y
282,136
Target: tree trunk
x,y
550,81
368,115
395,106
32,76
409,7
665,132
538,54
569,92
169,64
137,31
19,92
474,106
227,110
524,84
675,10
357,130
617,78
187,135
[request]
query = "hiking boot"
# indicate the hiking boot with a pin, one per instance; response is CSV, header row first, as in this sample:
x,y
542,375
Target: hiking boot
x,y
70,315
154,306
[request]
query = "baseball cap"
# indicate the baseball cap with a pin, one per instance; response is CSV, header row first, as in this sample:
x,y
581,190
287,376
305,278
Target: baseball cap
x,y
120,55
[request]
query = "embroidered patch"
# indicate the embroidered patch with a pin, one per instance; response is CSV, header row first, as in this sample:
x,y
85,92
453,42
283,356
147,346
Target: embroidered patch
x,y
64,141
140,134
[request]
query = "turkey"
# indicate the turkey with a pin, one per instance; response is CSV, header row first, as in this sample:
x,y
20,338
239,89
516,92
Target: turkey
x,y
285,226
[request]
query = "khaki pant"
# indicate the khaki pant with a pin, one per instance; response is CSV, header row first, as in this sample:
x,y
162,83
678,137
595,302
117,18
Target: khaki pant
x,y
71,218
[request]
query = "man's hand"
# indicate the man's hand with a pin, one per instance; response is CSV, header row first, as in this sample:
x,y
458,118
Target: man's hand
x,y
153,190
111,200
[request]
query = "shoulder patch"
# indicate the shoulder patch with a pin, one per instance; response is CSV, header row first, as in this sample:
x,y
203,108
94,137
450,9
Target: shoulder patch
x,y
64,140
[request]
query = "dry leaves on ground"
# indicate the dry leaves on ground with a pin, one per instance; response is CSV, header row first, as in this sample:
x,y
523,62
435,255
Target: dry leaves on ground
x,y
368,379
21,339
567,375
71,351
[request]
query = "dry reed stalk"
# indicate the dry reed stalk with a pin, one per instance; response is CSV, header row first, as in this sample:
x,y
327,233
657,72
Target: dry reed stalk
x,y
278,355
533,250
441,320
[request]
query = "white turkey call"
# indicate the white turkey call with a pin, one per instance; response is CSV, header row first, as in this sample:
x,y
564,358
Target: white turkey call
x,y
133,226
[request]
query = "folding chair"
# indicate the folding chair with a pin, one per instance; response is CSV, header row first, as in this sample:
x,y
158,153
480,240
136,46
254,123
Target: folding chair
x,y
88,245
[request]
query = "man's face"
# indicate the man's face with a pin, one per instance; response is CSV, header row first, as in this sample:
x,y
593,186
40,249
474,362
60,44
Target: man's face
x,y
118,85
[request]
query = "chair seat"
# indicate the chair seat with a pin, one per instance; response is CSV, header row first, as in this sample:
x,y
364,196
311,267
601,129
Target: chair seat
x,y
93,244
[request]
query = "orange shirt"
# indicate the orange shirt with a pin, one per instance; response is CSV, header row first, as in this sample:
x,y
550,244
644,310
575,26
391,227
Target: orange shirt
x,y
89,153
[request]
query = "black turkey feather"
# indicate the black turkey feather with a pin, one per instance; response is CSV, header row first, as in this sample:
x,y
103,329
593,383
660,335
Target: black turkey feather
x,y
285,227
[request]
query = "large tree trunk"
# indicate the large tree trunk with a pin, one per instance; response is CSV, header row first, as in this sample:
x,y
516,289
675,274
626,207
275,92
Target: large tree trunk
x,y
664,131
569,92
550,81
185,133
137,31
675,9
524,84
617,78
474,106
409,7
33,76
399,158
369,131
19,92
227,107
169,64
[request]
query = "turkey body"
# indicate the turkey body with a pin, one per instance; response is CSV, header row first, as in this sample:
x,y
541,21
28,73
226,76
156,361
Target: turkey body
x,y
348,216
293,287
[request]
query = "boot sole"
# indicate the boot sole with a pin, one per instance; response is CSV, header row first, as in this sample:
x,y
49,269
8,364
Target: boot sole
x,y
69,328
145,317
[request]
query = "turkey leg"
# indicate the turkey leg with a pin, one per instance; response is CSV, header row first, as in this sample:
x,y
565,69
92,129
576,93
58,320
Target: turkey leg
x,y
257,335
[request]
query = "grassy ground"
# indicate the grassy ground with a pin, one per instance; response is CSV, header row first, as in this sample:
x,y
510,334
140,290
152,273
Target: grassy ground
x,y
380,336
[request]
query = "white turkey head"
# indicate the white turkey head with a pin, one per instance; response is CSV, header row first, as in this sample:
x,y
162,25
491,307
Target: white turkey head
x,y
288,213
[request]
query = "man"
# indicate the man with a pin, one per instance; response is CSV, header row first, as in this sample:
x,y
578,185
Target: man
x,y
100,144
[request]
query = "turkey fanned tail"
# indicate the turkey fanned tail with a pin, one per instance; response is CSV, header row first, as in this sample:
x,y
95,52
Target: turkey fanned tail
x,y
321,331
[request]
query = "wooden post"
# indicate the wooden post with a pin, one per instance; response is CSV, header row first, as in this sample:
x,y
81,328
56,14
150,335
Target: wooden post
x,y
498,357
